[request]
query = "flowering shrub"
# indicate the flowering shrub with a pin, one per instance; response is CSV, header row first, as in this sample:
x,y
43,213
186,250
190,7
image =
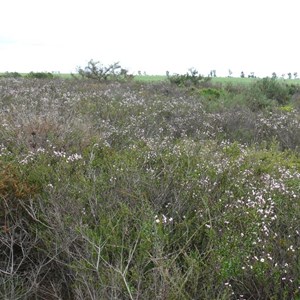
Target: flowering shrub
x,y
146,191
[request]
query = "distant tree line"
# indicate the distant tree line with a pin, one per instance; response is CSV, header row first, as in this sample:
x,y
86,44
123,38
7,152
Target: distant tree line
x,y
97,71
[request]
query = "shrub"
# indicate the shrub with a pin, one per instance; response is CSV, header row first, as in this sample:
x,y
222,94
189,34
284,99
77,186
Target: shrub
x,y
40,75
273,90
97,71
11,75
146,191
295,100
14,192
211,93
191,78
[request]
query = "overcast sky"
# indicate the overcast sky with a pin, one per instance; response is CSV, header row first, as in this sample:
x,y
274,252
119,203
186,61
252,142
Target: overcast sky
x,y
154,36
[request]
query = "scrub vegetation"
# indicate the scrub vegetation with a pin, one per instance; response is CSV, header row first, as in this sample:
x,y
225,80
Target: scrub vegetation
x,y
125,189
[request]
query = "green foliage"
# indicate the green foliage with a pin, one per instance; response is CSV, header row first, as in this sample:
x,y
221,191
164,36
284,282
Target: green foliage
x,y
286,108
257,101
211,93
40,75
273,89
11,75
191,78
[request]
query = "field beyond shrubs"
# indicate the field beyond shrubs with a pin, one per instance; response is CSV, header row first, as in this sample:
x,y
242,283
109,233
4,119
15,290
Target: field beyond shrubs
x,y
149,190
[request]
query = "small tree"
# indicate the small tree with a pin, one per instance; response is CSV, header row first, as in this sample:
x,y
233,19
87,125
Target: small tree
x,y
290,75
252,75
242,74
295,75
97,71
213,73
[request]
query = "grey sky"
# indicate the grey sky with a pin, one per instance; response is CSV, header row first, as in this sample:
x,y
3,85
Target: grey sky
x,y
154,36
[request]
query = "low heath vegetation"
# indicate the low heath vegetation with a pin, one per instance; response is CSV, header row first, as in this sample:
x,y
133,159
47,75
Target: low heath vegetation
x,y
122,189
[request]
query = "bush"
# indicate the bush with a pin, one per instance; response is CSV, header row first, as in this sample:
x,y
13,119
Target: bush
x,y
11,75
211,93
40,75
273,90
97,71
191,78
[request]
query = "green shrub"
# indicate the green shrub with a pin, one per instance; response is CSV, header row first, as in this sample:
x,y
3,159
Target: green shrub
x,y
273,89
191,78
40,75
211,93
11,75
286,108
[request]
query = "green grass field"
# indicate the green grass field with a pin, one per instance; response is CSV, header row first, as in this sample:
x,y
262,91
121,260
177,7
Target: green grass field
x,y
157,78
